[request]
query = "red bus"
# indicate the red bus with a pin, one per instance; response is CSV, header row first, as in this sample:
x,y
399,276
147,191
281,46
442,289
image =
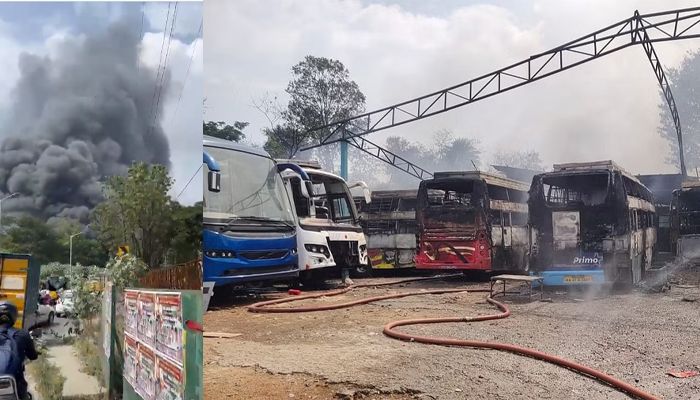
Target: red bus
x,y
472,221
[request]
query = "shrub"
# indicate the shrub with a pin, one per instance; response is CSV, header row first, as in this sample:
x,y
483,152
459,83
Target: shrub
x,y
90,356
48,378
126,271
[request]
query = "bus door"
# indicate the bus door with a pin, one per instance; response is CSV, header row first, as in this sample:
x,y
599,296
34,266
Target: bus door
x,y
637,242
507,231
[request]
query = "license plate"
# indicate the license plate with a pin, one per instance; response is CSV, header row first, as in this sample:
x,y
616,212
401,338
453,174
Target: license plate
x,y
578,278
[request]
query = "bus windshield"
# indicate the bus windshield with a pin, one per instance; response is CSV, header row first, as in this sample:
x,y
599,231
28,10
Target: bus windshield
x,y
576,190
449,201
689,212
251,189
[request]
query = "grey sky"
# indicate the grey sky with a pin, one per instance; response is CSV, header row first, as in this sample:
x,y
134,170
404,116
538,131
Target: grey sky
x,y
41,28
396,50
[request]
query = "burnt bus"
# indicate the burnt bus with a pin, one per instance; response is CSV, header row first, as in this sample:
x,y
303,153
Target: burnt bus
x,y
593,223
389,223
685,222
472,221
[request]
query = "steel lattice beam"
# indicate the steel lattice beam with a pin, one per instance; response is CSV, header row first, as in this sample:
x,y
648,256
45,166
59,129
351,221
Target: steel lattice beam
x,y
389,157
638,29
647,44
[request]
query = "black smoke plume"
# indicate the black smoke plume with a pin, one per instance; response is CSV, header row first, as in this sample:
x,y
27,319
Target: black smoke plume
x,y
79,115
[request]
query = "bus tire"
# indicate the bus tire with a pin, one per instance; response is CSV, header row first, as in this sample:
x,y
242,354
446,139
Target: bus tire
x,y
361,271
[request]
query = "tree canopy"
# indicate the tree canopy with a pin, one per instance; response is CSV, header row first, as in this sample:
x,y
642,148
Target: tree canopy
x,y
445,152
320,92
222,130
137,212
528,159
685,85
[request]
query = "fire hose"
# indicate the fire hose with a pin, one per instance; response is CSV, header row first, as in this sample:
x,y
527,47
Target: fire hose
x,y
263,307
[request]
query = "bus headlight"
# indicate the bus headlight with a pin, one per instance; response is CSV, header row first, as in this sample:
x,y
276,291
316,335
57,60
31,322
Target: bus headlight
x,y
317,248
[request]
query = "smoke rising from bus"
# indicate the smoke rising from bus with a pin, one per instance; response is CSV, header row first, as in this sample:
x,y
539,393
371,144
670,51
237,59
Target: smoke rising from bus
x,y
80,114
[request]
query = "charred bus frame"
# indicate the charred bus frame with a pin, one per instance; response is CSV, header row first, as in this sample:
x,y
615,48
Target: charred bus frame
x,y
591,223
472,221
685,222
389,222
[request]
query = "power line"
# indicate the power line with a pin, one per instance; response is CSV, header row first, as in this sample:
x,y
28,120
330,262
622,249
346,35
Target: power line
x,y
189,65
138,62
143,7
165,66
165,61
160,61
190,181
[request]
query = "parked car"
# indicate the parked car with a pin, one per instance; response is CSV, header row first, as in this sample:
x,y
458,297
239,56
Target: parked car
x,y
45,312
64,305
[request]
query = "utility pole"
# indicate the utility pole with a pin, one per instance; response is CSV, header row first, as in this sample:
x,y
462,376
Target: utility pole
x,y
3,199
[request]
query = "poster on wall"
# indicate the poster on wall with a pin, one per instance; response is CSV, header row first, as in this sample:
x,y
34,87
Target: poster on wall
x,y
146,381
147,318
169,330
131,312
171,383
131,359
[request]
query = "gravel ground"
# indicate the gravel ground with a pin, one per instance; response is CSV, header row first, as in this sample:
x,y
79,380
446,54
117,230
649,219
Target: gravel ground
x,y
635,336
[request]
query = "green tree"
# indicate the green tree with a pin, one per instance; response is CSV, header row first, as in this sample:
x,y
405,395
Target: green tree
x,y
86,249
137,212
519,159
320,92
33,236
685,85
186,233
445,153
225,131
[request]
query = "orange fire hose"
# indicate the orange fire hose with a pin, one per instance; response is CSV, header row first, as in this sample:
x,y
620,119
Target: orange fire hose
x,y
262,307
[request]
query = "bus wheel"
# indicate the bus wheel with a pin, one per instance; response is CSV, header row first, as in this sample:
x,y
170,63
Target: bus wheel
x,y
361,271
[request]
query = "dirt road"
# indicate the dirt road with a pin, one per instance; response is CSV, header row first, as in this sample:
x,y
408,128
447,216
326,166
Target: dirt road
x,y
633,336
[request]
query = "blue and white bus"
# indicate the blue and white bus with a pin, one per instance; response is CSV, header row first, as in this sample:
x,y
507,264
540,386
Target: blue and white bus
x,y
249,229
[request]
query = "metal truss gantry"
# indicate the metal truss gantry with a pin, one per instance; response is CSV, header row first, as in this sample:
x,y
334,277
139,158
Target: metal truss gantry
x,y
640,29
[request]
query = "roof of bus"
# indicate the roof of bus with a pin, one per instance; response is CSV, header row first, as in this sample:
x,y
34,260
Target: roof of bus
x,y
607,165
690,184
312,171
490,179
227,144
313,164
395,193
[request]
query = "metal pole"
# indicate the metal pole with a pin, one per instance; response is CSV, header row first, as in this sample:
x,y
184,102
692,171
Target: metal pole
x,y
70,256
1,200
70,252
344,160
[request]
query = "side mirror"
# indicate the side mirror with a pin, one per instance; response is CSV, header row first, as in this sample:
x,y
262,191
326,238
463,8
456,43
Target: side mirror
x,y
214,181
366,192
289,174
368,195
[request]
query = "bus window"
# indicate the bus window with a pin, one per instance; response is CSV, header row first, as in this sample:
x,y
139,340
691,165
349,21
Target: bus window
x,y
495,218
518,218
341,209
506,219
